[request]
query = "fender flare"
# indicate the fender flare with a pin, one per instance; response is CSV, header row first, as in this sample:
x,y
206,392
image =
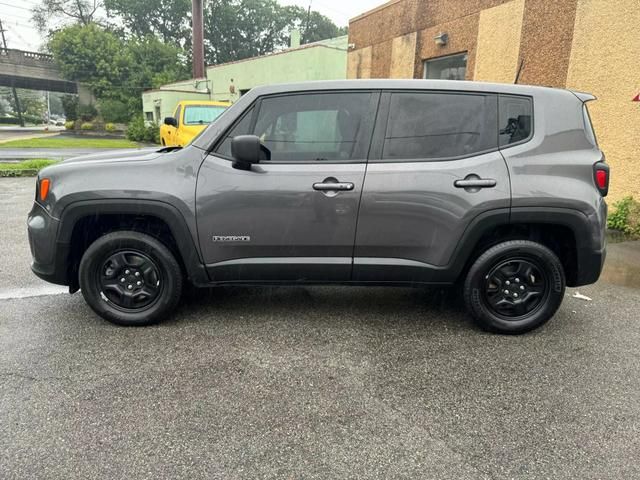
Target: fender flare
x,y
589,247
164,211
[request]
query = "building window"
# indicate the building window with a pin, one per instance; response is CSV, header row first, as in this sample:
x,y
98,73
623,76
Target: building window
x,y
149,116
452,67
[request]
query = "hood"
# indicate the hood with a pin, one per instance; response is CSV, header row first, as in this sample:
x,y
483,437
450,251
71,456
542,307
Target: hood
x,y
120,155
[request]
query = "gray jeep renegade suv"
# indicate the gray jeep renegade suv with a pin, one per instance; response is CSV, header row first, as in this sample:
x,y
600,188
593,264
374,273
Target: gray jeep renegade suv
x,y
498,188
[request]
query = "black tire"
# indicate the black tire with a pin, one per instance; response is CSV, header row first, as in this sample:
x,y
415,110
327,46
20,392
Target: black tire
x,y
148,291
499,303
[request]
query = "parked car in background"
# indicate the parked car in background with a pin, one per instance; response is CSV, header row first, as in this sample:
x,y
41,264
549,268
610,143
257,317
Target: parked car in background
x,y
496,188
189,119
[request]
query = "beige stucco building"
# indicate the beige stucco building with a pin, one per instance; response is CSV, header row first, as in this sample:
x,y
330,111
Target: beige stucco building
x,y
588,45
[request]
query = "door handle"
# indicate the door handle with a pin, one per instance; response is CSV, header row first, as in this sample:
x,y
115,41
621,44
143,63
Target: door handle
x,y
332,186
475,182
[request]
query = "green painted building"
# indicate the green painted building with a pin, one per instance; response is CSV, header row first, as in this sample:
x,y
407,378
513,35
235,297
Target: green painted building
x,y
324,60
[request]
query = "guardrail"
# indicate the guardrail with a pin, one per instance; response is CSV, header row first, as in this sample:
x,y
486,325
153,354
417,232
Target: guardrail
x,y
23,55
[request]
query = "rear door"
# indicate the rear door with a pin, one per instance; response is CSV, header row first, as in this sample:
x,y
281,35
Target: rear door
x,y
435,167
293,217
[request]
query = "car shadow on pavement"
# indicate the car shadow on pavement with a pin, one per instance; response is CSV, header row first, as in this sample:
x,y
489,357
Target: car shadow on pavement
x,y
337,305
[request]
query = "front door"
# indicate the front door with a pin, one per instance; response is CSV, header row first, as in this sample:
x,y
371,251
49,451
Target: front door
x,y
172,131
293,217
435,166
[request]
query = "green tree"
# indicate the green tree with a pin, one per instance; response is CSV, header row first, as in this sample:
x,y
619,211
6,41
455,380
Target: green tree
x,y
83,12
70,106
115,69
32,103
169,20
94,56
315,27
156,63
234,29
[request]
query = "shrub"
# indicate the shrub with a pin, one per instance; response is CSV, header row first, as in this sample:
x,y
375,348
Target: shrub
x,y
110,127
9,121
135,129
70,125
15,121
70,107
86,126
152,134
139,132
113,111
87,112
625,217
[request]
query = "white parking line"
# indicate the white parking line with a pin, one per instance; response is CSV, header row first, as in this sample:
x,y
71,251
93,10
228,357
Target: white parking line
x,y
14,293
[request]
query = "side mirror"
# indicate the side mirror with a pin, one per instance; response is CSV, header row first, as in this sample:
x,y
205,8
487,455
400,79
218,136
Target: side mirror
x,y
245,150
171,121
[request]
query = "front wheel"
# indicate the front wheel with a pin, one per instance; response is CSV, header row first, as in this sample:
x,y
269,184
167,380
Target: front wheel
x,y
130,278
514,287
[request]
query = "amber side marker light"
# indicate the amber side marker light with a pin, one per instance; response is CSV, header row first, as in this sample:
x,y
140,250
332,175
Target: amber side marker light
x,y
45,183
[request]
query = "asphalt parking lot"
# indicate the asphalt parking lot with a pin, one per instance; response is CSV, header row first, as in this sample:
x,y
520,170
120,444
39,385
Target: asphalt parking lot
x,y
312,383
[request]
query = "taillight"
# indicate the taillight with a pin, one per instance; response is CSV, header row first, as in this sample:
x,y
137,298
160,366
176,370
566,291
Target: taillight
x,y
43,188
601,177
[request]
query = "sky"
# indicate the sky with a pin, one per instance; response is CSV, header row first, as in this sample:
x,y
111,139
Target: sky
x,y
20,33
340,11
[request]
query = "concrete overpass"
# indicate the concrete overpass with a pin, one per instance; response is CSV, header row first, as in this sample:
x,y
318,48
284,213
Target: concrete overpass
x,y
36,71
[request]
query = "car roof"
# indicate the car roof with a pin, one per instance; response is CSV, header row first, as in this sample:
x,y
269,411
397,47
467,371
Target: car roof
x,y
396,84
204,102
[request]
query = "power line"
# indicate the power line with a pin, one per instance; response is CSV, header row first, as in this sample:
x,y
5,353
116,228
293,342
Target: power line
x,y
15,6
20,24
17,16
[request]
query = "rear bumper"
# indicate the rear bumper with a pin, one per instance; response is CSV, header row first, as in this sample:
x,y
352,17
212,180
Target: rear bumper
x,y
590,263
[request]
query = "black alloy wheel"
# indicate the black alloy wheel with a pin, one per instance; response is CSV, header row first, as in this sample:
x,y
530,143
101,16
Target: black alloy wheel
x,y
514,287
130,278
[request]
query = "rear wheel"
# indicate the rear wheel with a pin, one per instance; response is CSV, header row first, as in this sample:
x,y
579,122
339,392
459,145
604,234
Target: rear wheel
x,y
130,278
514,287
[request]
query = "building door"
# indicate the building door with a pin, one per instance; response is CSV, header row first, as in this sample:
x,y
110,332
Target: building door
x,y
435,166
292,217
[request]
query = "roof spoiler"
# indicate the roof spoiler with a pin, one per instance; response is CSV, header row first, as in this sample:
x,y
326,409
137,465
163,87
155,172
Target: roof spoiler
x,y
584,97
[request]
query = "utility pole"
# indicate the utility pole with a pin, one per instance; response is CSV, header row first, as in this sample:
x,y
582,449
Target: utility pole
x,y
198,38
15,93
48,110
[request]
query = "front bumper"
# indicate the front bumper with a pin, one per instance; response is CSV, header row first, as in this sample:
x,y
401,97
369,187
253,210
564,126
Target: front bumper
x,y
49,256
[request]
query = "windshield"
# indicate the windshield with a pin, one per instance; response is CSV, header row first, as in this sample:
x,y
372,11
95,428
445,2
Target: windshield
x,y
202,114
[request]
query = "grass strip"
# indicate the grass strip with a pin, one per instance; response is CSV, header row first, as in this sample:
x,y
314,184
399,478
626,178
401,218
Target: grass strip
x,y
26,168
60,141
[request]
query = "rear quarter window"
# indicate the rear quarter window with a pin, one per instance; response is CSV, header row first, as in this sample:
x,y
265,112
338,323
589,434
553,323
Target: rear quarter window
x,y
515,116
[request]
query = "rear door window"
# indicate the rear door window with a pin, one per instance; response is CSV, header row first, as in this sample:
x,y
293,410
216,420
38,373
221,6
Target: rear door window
x,y
437,126
516,119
